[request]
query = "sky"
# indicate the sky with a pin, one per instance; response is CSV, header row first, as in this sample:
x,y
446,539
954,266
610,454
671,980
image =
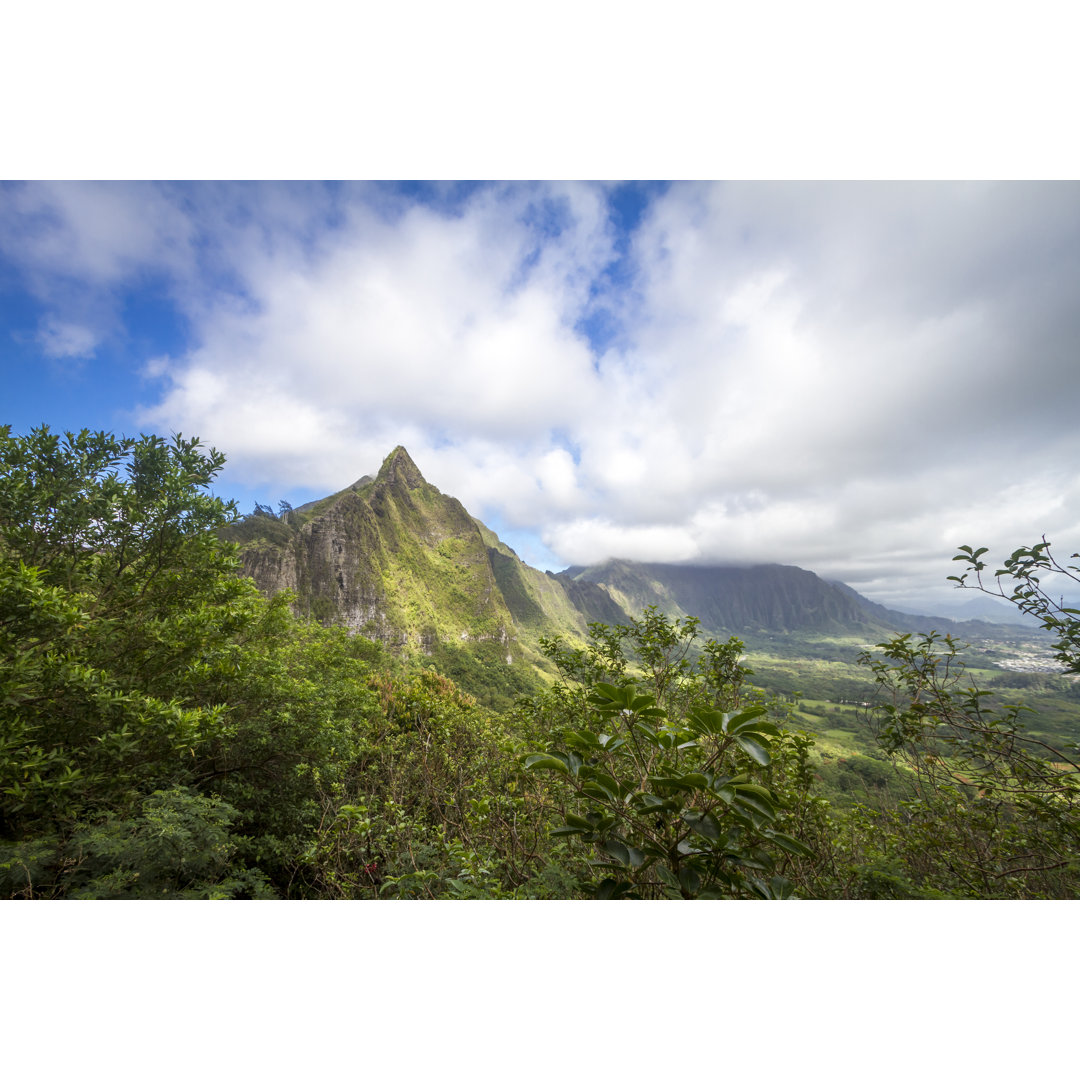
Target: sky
x,y
851,377
854,378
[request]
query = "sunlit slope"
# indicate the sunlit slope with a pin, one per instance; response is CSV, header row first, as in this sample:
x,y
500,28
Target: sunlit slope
x,y
393,558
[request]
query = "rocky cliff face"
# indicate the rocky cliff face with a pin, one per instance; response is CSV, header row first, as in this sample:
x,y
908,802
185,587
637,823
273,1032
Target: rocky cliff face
x,y
395,559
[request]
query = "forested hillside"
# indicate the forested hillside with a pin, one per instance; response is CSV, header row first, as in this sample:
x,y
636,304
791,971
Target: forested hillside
x,y
168,730
393,558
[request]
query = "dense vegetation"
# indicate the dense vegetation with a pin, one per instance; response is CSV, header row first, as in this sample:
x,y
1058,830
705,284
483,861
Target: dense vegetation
x,y
166,731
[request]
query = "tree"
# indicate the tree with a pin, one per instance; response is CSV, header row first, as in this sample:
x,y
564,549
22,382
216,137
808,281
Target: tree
x,y
135,660
994,811
167,731
117,603
1027,569
666,787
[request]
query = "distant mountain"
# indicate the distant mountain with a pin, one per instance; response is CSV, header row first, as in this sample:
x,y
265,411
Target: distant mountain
x,y
393,558
734,599
976,625
984,608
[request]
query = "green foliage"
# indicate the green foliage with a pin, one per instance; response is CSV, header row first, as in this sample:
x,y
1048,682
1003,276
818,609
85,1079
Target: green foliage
x,y
667,789
666,654
298,716
864,779
174,845
167,732
992,811
432,805
116,604
263,528
135,659
1026,569
481,670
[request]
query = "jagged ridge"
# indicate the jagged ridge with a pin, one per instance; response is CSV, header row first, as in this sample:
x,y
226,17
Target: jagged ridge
x,y
395,559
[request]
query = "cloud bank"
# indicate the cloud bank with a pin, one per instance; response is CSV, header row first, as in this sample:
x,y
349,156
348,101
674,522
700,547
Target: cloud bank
x,y
854,378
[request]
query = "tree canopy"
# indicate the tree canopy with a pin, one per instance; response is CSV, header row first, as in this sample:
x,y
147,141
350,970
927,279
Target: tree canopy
x,y
166,731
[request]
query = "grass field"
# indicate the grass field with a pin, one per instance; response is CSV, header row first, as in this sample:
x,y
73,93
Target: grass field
x,y
830,693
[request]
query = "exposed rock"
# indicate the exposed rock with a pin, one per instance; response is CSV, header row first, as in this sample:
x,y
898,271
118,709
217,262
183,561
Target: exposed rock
x,y
394,559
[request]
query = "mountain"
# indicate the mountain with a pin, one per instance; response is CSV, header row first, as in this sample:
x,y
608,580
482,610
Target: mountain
x,y
984,608
393,558
735,599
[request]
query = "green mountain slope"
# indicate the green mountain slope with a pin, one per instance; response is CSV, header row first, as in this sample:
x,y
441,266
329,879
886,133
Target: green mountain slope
x,y
393,558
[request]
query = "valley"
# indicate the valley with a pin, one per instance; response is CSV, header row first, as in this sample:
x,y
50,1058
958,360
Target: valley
x,y
395,559
371,696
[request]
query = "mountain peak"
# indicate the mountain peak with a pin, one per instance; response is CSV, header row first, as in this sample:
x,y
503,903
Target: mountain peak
x,y
399,468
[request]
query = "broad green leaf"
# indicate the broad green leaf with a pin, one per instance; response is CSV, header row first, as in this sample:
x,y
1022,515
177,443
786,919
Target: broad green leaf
x,y
745,784
597,791
583,740
747,797
789,844
735,723
777,888
706,721
668,783
609,691
760,727
546,761
645,803
753,748
703,823
611,743
781,887
647,733
618,851
755,861
667,877
652,713
610,889
689,879
605,781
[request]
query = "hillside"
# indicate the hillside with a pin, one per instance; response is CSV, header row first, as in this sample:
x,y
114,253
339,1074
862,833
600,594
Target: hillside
x,y
393,558
734,599
169,733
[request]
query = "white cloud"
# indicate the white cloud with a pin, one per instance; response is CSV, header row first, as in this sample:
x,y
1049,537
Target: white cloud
x,y
66,341
854,378
431,322
95,233
580,542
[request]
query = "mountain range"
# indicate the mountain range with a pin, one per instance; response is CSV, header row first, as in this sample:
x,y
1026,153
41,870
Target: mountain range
x,y
395,559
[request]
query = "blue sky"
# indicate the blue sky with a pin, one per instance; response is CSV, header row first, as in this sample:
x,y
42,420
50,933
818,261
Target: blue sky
x,y
851,377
